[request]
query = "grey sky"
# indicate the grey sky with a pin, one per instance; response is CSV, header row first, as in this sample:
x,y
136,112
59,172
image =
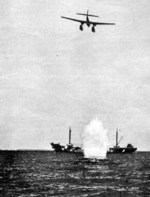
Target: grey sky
x,y
53,76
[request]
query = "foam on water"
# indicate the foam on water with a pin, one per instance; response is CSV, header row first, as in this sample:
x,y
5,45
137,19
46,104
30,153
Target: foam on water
x,y
94,140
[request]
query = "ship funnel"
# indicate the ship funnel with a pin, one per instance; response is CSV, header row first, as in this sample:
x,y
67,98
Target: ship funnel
x,y
69,135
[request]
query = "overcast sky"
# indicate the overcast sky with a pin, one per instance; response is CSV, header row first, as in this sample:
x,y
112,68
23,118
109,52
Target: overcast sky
x,y
53,76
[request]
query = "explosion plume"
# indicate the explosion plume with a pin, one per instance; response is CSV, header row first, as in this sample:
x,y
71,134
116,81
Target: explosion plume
x,y
94,140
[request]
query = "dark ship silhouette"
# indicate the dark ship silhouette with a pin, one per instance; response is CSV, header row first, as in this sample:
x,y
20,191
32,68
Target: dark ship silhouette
x,y
69,148
121,150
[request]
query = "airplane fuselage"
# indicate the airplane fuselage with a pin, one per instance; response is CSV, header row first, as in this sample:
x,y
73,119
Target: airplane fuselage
x,y
87,21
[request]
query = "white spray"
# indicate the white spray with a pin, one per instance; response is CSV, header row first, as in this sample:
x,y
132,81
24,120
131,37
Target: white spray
x,y
94,140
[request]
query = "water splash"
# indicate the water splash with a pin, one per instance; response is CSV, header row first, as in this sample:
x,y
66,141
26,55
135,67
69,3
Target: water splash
x,y
94,140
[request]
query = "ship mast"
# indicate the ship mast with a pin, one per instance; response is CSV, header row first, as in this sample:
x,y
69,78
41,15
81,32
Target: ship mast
x,y
69,135
117,138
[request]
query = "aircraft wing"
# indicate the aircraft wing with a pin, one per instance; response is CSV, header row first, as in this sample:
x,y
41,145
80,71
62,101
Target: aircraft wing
x,y
72,19
97,23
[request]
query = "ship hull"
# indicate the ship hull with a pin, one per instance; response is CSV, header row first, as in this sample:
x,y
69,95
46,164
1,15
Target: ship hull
x,y
68,152
122,151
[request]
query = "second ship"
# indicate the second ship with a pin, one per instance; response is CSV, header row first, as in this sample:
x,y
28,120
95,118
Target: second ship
x,y
129,149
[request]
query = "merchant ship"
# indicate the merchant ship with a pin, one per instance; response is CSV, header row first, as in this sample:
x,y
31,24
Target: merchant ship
x,y
69,148
121,150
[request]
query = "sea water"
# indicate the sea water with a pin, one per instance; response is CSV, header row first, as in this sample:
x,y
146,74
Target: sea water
x,y
45,173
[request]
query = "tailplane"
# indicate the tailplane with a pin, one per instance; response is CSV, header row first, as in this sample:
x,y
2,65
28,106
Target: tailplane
x,y
87,14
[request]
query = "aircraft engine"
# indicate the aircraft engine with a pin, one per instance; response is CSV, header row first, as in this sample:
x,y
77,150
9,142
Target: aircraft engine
x,y
93,28
81,27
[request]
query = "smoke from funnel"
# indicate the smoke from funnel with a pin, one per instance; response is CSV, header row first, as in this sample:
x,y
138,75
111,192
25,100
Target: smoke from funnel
x,y
94,140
